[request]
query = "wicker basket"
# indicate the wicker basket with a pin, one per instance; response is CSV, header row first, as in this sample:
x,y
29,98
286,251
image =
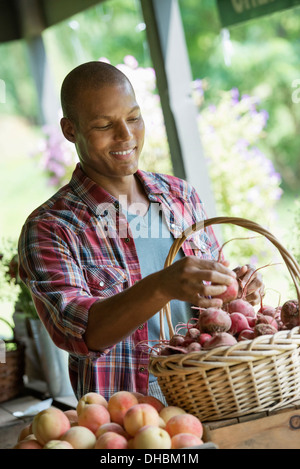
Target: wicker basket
x,y
12,370
232,381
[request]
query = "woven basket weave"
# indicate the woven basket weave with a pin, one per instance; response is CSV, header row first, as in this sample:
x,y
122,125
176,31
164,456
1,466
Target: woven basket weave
x,y
248,377
12,370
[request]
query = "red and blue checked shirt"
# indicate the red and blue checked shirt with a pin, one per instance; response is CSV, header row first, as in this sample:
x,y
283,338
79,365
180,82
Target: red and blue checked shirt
x,y
76,248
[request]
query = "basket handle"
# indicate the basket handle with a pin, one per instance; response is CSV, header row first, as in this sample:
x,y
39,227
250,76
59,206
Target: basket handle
x,y
289,260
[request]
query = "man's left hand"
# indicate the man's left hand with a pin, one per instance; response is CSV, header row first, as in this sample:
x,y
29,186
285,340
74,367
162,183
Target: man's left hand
x,y
255,287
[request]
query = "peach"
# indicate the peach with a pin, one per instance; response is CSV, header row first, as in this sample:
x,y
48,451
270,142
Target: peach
x,y
111,440
92,416
25,432
58,444
185,423
72,416
28,444
162,423
119,403
50,424
91,398
156,403
80,437
151,437
138,416
170,411
185,440
111,427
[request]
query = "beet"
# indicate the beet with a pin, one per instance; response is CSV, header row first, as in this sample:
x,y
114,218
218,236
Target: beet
x,y
238,323
193,333
194,347
264,329
290,314
241,306
264,319
177,340
267,311
246,334
213,320
203,338
220,339
230,293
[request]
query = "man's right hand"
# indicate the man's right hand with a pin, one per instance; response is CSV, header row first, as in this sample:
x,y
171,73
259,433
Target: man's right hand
x,y
196,281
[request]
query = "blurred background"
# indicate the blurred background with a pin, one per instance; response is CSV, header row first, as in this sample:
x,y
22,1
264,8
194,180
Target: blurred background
x,y
245,85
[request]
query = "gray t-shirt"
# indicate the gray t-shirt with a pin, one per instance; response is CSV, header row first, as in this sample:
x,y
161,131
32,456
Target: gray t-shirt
x,y
153,241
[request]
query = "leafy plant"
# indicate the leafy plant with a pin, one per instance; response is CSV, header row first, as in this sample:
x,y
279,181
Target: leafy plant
x,y
11,286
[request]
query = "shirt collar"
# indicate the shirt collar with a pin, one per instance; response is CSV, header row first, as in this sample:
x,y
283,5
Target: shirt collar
x,y
94,195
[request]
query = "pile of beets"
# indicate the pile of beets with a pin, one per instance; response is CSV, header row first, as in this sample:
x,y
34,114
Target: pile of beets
x,y
237,320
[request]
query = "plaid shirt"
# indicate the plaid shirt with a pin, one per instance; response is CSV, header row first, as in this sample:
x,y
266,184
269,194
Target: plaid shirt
x,y
76,248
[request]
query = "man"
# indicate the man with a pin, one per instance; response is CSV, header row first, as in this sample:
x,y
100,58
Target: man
x,y
97,286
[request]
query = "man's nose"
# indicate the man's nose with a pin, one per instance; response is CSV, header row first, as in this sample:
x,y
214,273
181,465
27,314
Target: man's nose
x,y
123,131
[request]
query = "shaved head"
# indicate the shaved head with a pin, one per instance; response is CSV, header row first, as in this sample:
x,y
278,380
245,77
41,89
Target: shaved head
x,y
91,76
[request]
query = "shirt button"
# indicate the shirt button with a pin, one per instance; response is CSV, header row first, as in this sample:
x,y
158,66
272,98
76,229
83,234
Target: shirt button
x,y
127,240
101,283
141,327
141,369
172,225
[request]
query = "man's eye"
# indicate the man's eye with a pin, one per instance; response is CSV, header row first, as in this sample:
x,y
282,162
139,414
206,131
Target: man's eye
x,y
103,127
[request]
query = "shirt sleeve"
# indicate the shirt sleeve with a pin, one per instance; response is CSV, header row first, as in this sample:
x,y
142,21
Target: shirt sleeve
x,y
49,266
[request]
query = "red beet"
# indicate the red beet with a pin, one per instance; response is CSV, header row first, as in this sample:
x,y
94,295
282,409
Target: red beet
x,y
203,338
267,310
264,329
194,347
247,334
219,340
241,306
251,321
264,319
213,320
193,333
177,340
230,293
290,314
238,323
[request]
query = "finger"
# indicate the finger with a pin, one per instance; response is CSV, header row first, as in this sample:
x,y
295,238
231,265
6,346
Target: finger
x,y
240,271
212,290
253,298
207,302
212,276
215,266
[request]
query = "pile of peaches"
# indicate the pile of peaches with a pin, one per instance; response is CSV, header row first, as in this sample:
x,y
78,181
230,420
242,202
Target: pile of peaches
x,y
128,420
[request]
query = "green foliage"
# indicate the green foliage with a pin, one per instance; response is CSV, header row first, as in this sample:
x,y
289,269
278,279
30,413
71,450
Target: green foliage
x,y
11,287
244,180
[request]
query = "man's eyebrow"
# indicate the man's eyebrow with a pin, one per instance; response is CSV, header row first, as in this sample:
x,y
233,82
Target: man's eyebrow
x,y
97,117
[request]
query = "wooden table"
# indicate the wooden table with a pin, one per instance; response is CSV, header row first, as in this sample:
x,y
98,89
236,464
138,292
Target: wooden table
x,y
10,426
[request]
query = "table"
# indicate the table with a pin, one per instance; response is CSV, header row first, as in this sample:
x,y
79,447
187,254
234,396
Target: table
x,y
10,426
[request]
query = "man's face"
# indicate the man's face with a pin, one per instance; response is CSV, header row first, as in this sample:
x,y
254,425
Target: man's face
x,y
109,132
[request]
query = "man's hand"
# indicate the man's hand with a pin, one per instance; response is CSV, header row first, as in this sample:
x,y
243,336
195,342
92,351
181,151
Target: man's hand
x,y
255,287
196,281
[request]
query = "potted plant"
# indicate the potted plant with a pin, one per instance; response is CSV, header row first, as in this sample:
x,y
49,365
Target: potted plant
x,y
44,360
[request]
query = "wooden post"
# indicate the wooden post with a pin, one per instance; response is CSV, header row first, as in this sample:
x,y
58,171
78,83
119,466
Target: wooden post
x,y
171,62
32,25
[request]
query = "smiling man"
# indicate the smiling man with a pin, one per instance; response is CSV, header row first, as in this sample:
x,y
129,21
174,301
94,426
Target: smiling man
x,y
97,283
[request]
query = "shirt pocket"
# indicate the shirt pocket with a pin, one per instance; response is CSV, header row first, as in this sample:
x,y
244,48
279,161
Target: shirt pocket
x,y
105,280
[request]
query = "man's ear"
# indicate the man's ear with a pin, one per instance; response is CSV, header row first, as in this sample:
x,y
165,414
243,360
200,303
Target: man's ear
x,y
68,129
